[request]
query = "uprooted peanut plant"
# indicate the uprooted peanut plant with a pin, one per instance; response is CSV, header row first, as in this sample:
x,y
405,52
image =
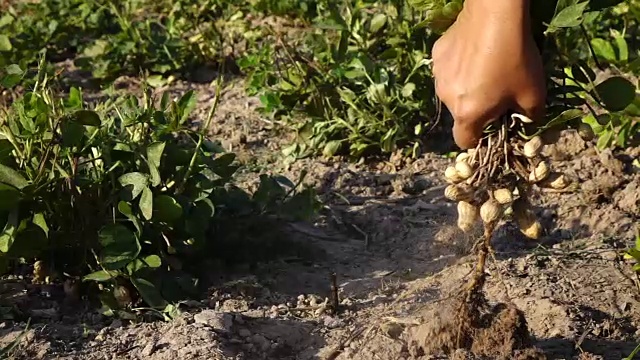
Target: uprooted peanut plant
x,y
496,178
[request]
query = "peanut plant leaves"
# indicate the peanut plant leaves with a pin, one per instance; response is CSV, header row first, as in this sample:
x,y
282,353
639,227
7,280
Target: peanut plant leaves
x,y
146,203
133,183
11,76
569,16
166,209
154,156
5,43
125,209
72,133
615,93
101,276
604,50
119,246
86,117
151,261
40,221
12,177
377,22
149,293
7,236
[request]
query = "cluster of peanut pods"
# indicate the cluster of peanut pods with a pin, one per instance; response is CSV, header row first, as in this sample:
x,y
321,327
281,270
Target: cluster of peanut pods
x,y
516,166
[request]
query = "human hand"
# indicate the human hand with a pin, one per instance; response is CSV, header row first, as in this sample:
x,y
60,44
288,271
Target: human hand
x,y
486,64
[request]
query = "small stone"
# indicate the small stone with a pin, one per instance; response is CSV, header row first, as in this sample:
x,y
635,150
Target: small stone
x,y
117,323
149,349
609,255
332,322
218,321
244,333
393,330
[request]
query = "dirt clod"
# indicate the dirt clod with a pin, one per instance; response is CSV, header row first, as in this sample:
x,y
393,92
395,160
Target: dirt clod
x,y
499,331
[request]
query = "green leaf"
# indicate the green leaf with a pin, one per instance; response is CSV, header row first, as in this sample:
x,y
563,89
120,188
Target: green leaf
x,y
119,246
605,140
149,293
126,210
564,117
621,45
9,197
5,44
146,203
154,152
582,73
72,133
604,49
408,89
151,261
377,22
133,183
331,147
39,220
12,77
101,276
86,117
75,98
570,16
7,237
634,253
166,209
154,156
186,104
12,177
616,93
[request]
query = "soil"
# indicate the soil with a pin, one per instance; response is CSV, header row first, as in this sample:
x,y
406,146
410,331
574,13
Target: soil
x,y
390,237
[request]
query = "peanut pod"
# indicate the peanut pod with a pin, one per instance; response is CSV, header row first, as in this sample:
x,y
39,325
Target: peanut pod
x,y
467,215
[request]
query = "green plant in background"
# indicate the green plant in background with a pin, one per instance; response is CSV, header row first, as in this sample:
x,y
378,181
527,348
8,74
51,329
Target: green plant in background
x,y
59,26
358,84
125,194
111,38
597,55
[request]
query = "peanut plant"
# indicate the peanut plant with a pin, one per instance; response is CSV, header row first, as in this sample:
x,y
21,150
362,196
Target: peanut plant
x,y
123,197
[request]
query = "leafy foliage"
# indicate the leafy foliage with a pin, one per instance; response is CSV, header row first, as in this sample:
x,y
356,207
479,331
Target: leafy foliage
x,y
125,194
112,38
359,81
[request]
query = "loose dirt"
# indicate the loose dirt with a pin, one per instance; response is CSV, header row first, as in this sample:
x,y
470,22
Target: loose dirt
x,y
390,237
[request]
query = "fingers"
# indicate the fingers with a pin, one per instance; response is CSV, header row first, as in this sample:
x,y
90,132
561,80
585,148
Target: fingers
x,y
534,110
468,127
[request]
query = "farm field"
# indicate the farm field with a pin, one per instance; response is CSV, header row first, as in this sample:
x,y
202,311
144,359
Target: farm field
x,y
261,179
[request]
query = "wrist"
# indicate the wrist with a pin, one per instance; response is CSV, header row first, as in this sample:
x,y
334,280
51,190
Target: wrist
x,y
512,14
503,10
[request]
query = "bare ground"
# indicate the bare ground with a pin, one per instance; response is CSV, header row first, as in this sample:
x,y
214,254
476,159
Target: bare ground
x,y
390,238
